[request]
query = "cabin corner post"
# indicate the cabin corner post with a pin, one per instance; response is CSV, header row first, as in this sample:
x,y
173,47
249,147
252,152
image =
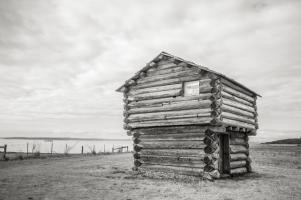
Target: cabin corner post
x,y
216,101
211,158
125,108
137,148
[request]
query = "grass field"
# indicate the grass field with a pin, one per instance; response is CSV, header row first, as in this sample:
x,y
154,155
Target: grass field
x,y
277,175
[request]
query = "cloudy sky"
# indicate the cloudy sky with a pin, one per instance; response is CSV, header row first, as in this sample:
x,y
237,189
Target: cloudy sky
x,y
61,61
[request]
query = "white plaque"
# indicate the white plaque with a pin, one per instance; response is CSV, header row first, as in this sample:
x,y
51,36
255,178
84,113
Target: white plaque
x,y
191,88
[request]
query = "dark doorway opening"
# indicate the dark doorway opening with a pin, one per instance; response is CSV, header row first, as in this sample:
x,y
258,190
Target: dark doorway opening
x,y
224,164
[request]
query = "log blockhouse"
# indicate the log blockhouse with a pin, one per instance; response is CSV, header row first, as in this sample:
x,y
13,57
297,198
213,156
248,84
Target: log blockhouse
x,y
187,119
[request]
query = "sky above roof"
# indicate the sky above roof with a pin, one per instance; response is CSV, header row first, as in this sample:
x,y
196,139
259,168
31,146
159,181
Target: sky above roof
x,y
61,61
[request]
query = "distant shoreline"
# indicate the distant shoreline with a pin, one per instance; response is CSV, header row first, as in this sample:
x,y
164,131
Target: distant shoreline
x,y
61,138
296,141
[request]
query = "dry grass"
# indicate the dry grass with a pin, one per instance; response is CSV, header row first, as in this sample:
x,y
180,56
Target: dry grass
x,y
277,176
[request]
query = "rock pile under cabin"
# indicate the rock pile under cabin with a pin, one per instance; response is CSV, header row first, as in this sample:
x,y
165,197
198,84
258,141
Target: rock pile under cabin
x,y
187,119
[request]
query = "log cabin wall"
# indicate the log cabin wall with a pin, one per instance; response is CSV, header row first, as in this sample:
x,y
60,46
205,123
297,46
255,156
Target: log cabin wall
x,y
176,149
240,161
156,97
239,107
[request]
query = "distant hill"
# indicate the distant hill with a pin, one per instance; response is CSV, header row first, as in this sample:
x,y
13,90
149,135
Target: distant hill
x,y
286,141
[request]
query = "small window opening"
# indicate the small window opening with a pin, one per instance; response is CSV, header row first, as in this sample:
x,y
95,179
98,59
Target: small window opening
x,y
191,88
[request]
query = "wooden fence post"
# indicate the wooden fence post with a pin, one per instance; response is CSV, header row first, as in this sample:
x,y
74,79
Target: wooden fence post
x,y
82,149
5,148
27,149
51,147
66,150
104,148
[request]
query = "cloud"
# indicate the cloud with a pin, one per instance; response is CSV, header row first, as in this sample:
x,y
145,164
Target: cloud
x,y
61,61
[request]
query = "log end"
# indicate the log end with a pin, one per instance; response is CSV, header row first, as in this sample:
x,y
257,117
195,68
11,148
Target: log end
x,y
137,163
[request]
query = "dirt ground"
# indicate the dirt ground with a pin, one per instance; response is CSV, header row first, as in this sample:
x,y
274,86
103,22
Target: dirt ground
x,y
277,175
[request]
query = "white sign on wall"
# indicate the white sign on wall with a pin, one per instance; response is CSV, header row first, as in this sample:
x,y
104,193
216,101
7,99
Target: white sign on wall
x,y
191,88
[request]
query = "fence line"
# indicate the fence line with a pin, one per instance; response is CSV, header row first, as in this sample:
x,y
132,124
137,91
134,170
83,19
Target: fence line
x,y
33,148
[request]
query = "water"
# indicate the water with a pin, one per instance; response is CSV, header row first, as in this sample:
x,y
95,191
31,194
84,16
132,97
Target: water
x,y
59,146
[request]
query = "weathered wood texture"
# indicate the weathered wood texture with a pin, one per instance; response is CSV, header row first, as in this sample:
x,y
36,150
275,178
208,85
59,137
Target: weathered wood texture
x,y
170,148
238,107
239,153
173,161
211,159
156,97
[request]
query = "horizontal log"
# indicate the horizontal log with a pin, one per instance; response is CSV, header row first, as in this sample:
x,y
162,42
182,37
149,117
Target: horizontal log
x,y
167,70
238,94
189,171
241,170
169,100
238,164
238,123
167,76
183,144
236,87
163,64
166,65
170,81
172,122
156,95
177,129
226,95
173,161
234,149
170,115
239,156
204,88
238,118
173,152
230,109
238,141
185,136
237,135
137,140
154,89
232,116
239,105
173,107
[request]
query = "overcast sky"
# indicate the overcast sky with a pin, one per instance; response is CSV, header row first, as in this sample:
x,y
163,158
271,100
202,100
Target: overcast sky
x,y
61,61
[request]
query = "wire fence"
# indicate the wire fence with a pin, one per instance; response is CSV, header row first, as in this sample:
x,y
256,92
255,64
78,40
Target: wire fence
x,y
66,147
